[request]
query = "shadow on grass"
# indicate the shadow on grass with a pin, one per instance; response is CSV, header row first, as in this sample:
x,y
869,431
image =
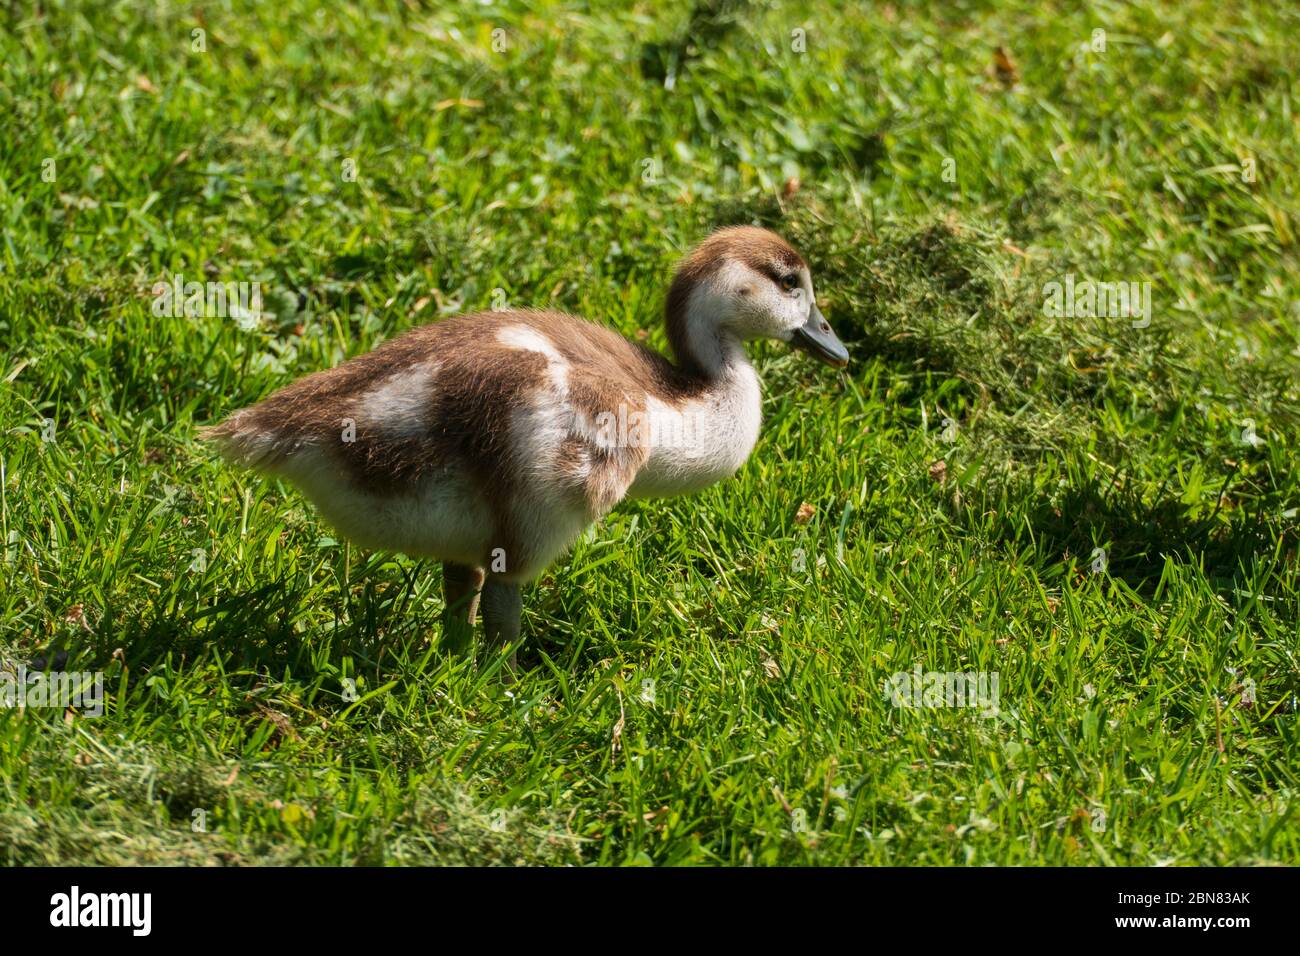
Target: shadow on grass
x,y
1137,535
709,24
272,631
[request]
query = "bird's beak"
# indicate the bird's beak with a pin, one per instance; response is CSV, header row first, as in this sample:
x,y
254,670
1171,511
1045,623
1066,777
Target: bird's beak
x,y
818,339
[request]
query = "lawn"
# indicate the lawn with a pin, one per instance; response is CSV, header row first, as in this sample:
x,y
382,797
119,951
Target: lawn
x,y
1098,510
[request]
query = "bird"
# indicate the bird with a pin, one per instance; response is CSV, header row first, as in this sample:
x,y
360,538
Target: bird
x,y
491,441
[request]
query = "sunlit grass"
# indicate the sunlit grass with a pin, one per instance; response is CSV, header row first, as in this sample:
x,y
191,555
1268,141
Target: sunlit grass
x,y
705,677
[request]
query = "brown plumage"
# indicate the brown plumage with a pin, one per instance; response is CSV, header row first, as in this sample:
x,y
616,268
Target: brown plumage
x,y
478,439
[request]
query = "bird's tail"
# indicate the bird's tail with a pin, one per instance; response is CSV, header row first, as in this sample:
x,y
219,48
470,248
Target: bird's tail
x,y
245,440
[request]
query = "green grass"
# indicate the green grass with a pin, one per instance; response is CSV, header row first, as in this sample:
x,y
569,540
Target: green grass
x,y
562,171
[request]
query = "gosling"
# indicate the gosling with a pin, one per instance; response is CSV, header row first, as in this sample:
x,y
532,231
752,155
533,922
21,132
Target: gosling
x,y
491,441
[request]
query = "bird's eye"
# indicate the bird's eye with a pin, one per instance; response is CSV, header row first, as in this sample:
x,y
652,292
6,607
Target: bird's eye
x,y
790,282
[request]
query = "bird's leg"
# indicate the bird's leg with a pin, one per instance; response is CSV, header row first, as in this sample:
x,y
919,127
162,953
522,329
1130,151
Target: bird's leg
x,y
461,585
502,607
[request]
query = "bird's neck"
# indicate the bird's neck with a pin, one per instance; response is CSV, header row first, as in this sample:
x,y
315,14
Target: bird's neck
x,y
712,357
703,347
706,428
